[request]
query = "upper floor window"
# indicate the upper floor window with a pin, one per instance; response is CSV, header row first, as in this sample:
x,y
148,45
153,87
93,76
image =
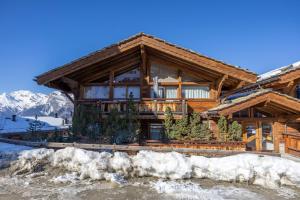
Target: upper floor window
x,y
168,92
96,92
130,76
194,92
123,92
164,73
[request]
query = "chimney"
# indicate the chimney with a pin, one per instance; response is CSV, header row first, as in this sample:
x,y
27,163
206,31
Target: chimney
x,y
14,118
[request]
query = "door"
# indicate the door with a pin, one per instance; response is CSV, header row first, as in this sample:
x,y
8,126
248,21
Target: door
x,y
267,137
156,131
250,130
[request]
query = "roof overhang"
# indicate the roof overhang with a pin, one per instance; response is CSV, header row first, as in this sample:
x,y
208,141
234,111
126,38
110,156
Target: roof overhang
x,y
267,100
134,44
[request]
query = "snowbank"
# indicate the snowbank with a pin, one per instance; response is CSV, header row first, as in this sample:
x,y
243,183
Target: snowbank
x,y
266,171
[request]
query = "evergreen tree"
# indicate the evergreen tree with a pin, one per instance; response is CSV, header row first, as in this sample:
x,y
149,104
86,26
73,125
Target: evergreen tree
x,y
182,128
199,130
86,121
222,126
123,129
133,124
235,131
168,123
34,128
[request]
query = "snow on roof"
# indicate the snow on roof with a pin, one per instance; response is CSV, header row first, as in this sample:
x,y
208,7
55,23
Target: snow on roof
x,y
22,124
279,71
240,99
249,95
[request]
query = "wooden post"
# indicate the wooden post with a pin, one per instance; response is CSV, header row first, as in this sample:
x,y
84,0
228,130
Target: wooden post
x,y
258,136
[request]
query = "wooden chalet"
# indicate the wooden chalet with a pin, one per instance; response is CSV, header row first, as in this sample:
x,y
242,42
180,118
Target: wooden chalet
x,y
161,75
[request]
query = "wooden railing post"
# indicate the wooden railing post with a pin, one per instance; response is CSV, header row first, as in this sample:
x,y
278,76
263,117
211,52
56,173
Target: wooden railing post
x,y
183,110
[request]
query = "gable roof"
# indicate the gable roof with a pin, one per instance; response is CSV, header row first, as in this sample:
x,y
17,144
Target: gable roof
x,y
152,42
246,100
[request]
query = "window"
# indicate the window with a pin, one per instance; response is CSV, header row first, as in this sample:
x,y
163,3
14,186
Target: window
x,y
130,76
121,92
135,90
96,92
164,73
156,131
164,92
191,92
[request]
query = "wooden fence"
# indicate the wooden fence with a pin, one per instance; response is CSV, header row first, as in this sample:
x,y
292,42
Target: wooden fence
x,y
132,149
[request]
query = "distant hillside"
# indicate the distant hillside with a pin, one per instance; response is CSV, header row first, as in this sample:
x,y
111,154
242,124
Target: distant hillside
x,y
27,103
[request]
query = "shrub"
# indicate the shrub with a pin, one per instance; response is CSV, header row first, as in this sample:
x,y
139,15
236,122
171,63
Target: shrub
x,y
235,131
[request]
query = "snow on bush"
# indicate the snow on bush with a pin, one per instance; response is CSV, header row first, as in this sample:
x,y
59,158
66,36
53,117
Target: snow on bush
x,y
261,170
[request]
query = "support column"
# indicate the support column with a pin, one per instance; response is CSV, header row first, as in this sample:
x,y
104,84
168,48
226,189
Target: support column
x,y
258,136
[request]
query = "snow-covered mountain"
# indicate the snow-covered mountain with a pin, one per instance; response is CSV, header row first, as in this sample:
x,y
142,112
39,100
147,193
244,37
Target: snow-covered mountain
x,y
27,103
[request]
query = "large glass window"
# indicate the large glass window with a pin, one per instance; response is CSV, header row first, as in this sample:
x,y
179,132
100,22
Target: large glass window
x,y
168,92
164,73
191,92
96,92
135,90
121,92
130,76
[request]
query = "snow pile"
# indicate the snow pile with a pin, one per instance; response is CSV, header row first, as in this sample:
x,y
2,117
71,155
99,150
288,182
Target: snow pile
x,y
164,165
190,190
266,171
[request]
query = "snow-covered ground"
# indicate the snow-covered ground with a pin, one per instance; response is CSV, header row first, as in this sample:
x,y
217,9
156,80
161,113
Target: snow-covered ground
x,y
22,124
73,173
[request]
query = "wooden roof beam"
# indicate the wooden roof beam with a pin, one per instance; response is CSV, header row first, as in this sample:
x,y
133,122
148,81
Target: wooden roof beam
x,y
127,64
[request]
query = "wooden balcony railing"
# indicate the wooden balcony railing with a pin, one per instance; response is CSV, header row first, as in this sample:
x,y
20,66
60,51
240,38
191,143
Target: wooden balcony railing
x,y
292,143
145,106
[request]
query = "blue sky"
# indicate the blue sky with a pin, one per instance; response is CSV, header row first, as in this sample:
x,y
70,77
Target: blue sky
x,y
36,36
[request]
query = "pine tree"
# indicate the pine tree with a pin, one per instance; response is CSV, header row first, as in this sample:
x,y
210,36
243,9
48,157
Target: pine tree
x,y
222,126
235,131
133,124
199,130
182,128
34,128
86,121
168,123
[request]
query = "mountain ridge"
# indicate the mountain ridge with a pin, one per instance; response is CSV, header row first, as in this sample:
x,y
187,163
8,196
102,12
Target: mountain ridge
x,y
28,103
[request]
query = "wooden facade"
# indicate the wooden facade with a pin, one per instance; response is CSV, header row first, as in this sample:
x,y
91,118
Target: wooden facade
x,y
160,75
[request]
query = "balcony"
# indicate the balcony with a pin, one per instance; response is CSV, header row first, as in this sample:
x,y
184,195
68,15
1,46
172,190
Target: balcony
x,y
149,108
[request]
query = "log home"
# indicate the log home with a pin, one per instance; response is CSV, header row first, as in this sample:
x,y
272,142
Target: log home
x,y
159,75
